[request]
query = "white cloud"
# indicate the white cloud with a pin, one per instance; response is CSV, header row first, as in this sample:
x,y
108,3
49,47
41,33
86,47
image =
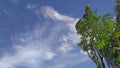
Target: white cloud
x,y
83,52
69,22
114,19
29,53
49,55
65,47
51,13
30,6
47,42
68,60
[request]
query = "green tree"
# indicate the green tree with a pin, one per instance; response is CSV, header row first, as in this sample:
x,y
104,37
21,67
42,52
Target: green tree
x,y
100,37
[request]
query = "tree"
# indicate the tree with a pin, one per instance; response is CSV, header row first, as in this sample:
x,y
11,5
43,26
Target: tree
x,y
100,37
116,35
117,9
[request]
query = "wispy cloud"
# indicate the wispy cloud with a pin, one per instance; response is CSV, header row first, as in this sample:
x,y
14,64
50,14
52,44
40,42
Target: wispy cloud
x,y
52,40
68,60
29,53
51,13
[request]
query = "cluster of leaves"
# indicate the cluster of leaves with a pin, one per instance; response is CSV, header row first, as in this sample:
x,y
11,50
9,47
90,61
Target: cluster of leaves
x,y
100,38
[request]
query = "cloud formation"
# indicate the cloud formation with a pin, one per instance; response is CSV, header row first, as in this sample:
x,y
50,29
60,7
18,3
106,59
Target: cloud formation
x,y
48,45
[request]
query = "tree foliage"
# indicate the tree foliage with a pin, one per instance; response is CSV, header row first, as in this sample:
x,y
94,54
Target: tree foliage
x,y
100,37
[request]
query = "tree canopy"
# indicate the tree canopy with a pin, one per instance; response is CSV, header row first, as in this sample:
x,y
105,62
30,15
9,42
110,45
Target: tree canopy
x,y
100,37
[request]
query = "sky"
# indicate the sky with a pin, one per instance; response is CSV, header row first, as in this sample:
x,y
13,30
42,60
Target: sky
x,y
41,33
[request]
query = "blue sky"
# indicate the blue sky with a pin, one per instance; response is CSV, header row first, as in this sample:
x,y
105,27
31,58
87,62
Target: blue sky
x,y
41,33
